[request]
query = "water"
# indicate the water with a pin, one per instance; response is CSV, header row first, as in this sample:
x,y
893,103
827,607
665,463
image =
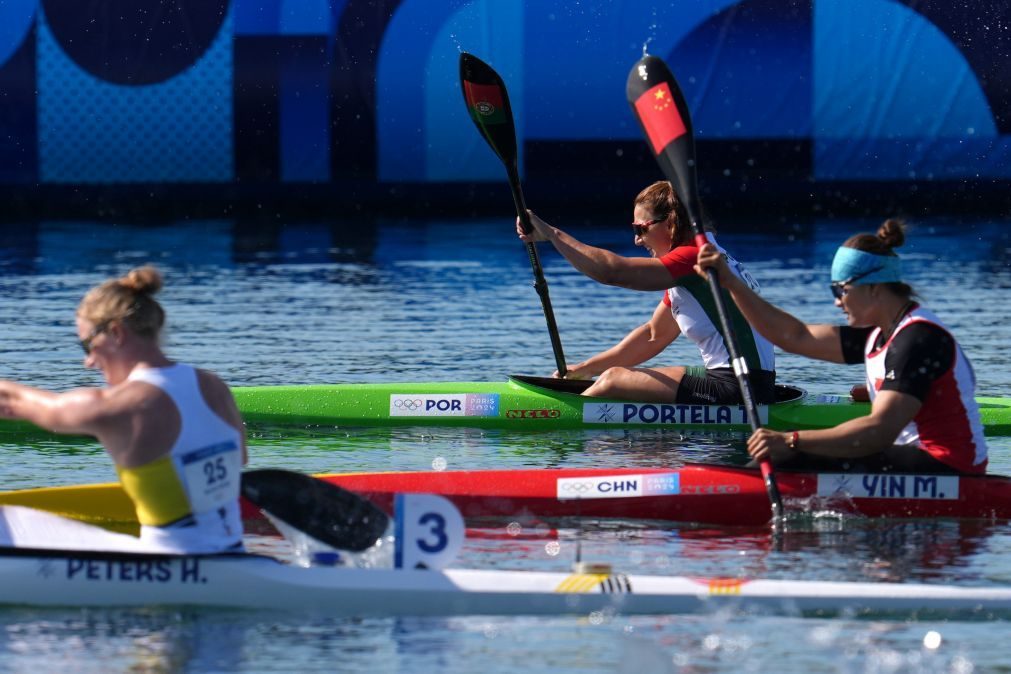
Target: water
x,y
416,300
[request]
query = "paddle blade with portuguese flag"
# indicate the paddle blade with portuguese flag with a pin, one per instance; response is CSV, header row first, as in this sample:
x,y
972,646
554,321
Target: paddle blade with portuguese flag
x,y
660,107
484,92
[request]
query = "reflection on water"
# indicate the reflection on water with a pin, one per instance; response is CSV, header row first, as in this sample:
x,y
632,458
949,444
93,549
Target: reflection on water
x,y
414,300
399,300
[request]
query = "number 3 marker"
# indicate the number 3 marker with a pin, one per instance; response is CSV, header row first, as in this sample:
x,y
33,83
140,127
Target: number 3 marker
x,y
429,531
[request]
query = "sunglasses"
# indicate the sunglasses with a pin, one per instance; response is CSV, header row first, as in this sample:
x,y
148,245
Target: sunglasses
x,y
838,287
641,228
86,342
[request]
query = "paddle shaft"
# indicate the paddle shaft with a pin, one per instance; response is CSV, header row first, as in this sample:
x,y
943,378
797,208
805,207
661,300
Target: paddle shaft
x,y
540,283
741,372
486,97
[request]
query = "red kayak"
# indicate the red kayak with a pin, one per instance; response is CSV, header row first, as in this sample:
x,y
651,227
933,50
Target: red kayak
x,y
708,494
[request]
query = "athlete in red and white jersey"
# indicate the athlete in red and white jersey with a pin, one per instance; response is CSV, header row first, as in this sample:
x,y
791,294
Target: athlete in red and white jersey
x,y
922,359
924,417
691,303
662,228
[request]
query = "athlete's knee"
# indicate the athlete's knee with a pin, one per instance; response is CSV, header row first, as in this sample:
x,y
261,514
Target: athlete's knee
x,y
610,381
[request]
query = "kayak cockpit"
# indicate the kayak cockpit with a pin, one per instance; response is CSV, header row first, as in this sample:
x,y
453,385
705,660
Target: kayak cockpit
x,y
784,392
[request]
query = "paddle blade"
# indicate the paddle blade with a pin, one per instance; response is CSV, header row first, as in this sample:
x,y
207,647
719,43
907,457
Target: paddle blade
x,y
660,107
326,512
485,95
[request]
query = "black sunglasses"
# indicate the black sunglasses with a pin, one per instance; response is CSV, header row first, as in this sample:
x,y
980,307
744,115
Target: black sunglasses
x,y
86,342
838,287
641,228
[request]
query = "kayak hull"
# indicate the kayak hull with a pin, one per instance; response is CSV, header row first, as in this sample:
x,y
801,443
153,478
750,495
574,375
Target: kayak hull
x,y
699,493
530,404
705,494
78,579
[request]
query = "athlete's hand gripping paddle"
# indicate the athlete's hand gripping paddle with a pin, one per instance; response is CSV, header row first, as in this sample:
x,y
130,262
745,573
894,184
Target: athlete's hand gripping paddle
x,y
660,107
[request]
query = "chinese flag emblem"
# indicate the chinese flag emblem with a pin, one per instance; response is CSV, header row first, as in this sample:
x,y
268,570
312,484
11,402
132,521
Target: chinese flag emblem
x,y
659,116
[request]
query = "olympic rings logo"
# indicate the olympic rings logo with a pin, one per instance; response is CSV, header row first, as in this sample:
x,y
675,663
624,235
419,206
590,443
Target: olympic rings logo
x,y
577,487
409,404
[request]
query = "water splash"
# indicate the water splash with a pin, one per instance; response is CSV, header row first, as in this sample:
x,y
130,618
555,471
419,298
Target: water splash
x,y
652,28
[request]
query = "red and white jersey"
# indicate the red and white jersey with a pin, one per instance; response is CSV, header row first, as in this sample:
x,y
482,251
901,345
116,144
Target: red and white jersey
x,y
694,309
948,425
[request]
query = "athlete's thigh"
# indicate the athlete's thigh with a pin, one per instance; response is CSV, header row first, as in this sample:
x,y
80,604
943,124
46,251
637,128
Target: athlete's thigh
x,y
649,384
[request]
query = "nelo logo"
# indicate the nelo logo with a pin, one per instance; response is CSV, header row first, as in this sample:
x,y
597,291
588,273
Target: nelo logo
x,y
533,414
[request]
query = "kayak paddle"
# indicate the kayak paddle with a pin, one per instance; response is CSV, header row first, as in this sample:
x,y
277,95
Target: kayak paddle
x,y
485,94
660,107
326,512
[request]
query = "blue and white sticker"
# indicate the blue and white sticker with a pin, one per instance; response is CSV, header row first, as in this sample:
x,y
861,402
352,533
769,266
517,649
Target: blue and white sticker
x,y
212,475
429,531
618,486
883,485
662,414
444,404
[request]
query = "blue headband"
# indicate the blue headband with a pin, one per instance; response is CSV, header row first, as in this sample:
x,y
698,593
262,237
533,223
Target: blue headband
x,y
850,263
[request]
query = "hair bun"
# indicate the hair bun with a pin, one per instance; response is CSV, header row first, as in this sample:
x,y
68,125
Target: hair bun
x,y
892,232
144,280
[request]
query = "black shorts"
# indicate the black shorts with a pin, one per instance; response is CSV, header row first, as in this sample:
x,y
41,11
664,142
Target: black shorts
x,y
719,387
895,459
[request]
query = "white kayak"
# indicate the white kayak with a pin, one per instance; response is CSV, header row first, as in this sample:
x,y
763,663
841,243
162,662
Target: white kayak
x,y
77,579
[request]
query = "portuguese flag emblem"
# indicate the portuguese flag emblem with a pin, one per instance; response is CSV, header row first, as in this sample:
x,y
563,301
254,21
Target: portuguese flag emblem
x,y
485,103
660,117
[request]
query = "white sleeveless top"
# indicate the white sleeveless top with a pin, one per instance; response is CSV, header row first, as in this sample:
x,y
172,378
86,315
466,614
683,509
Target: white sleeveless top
x,y
188,500
948,424
691,302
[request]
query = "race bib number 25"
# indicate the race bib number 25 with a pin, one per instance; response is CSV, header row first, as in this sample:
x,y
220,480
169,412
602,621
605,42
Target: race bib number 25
x,y
212,475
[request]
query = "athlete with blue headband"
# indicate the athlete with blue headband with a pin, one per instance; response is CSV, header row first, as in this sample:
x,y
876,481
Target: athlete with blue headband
x,y
924,417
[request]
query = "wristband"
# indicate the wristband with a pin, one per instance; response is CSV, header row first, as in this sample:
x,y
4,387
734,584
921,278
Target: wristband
x,y
794,441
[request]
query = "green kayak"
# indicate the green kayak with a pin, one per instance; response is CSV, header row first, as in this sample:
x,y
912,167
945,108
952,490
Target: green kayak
x,y
537,403
531,403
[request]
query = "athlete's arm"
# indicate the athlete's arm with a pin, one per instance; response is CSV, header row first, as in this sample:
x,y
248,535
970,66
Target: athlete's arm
x,y
779,327
858,437
84,411
634,273
642,343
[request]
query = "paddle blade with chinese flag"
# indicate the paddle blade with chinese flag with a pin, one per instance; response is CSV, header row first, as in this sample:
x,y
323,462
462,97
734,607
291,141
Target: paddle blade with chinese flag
x,y
660,107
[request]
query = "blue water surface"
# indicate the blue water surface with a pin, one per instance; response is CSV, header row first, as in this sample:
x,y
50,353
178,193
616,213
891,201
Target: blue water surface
x,y
451,300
